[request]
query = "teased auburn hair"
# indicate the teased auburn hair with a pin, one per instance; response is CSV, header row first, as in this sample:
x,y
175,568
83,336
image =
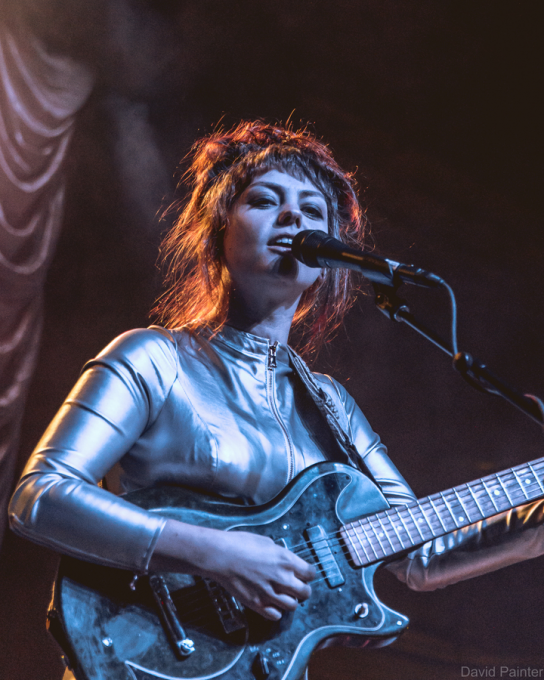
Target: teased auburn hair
x,y
223,165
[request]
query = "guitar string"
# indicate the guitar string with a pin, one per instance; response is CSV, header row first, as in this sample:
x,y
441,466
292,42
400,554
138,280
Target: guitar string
x,y
322,562
197,598
189,600
198,606
319,561
410,527
337,540
405,529
203,601
516,497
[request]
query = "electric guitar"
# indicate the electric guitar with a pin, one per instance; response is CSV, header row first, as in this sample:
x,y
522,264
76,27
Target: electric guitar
x,y
114,625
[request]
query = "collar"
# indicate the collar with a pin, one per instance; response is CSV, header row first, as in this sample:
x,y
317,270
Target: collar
x,y
250,345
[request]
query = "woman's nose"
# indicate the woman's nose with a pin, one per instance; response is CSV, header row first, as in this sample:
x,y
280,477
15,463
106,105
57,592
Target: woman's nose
x,y
290,216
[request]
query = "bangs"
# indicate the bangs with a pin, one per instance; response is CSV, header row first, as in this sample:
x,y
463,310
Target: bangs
x,y
223,164
291,161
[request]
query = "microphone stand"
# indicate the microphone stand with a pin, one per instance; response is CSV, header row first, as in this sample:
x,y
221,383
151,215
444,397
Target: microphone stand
x,y
471,369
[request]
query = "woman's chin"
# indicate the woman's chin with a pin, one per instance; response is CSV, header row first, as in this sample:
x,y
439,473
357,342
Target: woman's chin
x,y
286,266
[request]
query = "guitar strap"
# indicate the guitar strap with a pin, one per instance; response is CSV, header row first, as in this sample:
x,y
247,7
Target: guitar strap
x,y
331,414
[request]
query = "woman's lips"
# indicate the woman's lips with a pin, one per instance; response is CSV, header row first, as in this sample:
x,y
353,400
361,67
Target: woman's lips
x,y
279,248
281,243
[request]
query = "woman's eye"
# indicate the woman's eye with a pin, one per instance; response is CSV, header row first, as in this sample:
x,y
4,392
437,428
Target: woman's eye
x,y
313,211
261,201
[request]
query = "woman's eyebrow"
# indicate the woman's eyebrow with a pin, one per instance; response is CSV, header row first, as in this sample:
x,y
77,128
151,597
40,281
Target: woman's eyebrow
x,y
312,192
278,188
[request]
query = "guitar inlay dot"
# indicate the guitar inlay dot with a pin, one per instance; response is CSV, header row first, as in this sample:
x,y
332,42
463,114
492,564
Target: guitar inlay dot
x,y
497,492
461,519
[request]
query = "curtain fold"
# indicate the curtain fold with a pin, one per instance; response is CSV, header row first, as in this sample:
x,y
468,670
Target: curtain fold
x,y
40,94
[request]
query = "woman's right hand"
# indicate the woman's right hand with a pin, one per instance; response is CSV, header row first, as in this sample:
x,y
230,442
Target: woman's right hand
x,y
260,574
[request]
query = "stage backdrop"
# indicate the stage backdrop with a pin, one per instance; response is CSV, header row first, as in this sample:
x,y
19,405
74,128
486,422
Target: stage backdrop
x,y
436,105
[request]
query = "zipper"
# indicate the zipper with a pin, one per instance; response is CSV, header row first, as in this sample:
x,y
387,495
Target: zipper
x,y
271,382
272,361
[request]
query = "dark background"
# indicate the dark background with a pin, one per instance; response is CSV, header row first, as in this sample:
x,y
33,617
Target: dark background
x,y
438,105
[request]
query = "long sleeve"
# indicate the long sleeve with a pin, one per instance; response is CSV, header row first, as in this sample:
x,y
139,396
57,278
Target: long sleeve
x,y
170,410
58,501
503,539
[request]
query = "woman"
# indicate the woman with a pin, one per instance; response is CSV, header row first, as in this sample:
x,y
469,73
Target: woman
x,y
219,402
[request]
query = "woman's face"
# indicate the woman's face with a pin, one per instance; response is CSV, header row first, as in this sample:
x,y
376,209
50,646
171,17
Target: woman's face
x,y
270,212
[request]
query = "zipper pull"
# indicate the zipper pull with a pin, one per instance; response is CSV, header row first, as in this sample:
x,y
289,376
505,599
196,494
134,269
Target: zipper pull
x,y
272,349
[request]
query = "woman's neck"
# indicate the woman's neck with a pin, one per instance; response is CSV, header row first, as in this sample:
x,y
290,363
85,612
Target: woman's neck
x,y
273,323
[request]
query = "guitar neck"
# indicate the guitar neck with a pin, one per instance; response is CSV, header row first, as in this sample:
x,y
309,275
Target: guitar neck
x,y
405,527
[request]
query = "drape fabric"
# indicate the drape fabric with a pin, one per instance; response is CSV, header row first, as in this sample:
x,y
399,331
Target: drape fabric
x,y
40,93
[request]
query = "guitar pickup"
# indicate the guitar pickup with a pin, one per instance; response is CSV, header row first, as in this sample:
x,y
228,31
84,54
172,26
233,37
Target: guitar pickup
x,y
317,538
228,608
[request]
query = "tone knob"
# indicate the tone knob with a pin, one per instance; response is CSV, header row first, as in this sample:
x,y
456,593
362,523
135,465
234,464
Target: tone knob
x,y
361,610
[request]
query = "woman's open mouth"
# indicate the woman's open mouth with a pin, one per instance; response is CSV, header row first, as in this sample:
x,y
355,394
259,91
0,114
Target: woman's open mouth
x,y
281,244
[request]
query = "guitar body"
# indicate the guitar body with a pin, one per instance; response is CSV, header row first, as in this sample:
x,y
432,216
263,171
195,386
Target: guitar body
x,y
111,629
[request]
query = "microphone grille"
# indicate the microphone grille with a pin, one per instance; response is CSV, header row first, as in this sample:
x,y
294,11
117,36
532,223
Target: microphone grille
x,y
305,246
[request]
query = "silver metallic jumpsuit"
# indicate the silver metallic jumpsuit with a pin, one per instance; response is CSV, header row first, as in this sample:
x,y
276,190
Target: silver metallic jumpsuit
x,y
230,415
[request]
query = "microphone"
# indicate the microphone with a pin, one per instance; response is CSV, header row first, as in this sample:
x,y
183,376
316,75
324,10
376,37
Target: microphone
x,y
317,249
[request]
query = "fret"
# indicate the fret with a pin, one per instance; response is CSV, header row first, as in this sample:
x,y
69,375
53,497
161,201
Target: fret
x,y
353,550
369,541
362,544
528,480
392,524
462,505
399,526
397,510
486,498
539,465
414,521
517,492
490,496
505,491
524,484
437,514
419,506
464,502
385,532
457,506
378,536
482,513
499,493
449,509
520,484
536,477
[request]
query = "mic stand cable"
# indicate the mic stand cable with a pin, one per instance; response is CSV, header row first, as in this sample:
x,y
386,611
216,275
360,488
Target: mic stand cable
x,y
471,369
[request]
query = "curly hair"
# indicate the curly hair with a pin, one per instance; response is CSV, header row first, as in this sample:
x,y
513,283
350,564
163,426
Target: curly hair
x,y
223,165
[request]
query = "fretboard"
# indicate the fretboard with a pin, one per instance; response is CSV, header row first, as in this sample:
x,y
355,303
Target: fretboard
x,y
404,527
